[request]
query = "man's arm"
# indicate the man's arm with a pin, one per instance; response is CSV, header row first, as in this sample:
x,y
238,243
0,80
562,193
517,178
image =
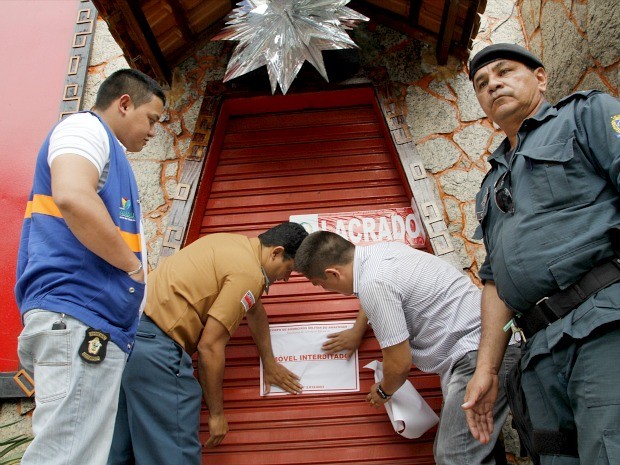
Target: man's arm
x,y
396,368
600,134
74,190
349,339
482,389
211,362
275,373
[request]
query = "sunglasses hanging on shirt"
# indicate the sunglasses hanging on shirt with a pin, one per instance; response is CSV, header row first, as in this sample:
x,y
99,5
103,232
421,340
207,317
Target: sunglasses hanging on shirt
x,y
503,194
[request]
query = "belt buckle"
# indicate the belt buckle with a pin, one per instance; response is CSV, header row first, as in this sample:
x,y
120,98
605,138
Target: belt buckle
x,y
547,311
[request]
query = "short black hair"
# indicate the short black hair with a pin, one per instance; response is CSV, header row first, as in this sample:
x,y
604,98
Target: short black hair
x,y
140,87
288,235
320,250
503,51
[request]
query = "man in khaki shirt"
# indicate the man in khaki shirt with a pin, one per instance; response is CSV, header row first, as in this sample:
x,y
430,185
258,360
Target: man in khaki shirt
x,y
195,301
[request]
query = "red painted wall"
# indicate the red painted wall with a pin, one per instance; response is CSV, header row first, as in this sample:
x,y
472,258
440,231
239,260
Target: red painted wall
x,y
35,42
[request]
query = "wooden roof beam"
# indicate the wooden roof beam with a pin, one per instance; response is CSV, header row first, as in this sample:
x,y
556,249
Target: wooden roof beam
x,y
472,24
148,42
414,12
182,20
448,21
393,21
126,18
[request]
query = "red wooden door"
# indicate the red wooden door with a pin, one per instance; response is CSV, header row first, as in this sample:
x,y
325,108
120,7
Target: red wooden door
x,y
273,157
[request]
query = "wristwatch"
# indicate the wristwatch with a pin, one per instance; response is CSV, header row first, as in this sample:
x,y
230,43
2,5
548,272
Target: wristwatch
x,y
382,393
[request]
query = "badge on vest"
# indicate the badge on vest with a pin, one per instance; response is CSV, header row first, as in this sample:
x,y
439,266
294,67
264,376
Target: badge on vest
x,y
94,346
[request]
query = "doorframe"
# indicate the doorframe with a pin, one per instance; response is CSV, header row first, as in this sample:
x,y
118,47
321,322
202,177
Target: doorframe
x,y
202,157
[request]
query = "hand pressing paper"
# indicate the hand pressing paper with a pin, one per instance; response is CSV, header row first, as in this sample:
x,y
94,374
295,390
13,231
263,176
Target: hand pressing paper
x,y
409,413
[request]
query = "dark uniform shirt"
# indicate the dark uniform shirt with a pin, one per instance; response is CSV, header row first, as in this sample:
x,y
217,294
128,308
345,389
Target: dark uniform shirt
x,y
564,178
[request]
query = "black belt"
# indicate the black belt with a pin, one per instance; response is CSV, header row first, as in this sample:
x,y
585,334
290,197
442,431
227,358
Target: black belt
x,y
560,304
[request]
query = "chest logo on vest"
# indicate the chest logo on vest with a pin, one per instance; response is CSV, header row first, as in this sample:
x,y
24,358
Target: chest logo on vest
x,y
94,346
127,210
615,124
248,300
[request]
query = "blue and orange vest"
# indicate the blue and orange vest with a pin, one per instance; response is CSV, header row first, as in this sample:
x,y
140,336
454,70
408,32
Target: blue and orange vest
x,y
55,272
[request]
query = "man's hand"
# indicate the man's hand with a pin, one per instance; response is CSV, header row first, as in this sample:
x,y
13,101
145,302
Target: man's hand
x,y
349,340
282,377
218,428
373,397
480,397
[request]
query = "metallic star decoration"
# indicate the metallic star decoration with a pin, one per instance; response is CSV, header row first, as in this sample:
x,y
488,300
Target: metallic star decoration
x,y
282,34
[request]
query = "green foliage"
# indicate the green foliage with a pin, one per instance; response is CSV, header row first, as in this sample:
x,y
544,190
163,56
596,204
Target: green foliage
x,y
8,456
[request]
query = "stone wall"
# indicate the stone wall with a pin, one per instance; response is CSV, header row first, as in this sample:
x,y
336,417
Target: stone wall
x,y
578,42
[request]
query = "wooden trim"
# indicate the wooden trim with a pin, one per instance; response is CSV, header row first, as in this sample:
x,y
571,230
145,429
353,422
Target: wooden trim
x,y
191,172
394,107
73,93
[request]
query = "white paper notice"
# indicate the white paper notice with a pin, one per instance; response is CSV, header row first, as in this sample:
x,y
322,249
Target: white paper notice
x,y
297,346
409,413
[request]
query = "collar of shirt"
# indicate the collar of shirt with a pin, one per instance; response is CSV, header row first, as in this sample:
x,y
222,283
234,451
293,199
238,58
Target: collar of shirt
x,y
360,256
266,280
545,112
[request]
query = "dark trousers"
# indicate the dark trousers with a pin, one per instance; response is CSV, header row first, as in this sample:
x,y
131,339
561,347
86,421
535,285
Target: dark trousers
x,y
159,405
576,388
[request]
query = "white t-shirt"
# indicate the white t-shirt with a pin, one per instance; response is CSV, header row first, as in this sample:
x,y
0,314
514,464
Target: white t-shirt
x,y
84,135
81,134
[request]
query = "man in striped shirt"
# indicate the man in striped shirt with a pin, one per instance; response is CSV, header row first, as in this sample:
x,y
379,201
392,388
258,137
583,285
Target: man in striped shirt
x,y
422,310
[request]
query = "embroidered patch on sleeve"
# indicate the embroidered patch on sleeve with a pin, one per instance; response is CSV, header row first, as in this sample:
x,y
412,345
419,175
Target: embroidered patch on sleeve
x,y
248,300
615,124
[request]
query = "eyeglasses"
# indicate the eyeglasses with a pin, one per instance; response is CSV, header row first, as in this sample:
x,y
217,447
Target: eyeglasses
x,y
503,194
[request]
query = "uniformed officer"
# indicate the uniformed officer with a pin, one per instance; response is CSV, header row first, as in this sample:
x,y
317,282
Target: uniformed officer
x,y
547,211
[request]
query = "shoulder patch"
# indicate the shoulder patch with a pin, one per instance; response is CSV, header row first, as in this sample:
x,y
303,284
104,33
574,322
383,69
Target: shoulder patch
x,y
615,124
248,300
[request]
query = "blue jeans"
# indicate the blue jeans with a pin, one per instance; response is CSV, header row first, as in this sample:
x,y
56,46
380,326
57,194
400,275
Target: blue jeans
x,y
159,405
76,401
575,388
454,444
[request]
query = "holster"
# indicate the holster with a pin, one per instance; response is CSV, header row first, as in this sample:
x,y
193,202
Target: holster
x,y
535,442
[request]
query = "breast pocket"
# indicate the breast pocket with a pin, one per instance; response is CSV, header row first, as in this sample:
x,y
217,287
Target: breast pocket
x,y
558,178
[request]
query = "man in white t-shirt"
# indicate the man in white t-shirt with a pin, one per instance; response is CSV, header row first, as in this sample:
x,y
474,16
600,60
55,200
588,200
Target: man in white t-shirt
x,y
80,271
423,311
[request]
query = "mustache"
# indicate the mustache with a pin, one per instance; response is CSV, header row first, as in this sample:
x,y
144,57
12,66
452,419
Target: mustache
x,y
499,95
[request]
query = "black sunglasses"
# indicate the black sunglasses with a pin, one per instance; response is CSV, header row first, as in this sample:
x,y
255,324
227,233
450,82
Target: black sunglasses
x,y
503,194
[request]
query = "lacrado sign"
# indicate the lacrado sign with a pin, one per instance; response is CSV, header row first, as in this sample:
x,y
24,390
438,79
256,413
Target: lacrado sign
x,y
370,226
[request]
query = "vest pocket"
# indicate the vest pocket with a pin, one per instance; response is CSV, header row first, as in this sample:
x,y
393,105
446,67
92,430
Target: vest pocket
x,y
127,299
